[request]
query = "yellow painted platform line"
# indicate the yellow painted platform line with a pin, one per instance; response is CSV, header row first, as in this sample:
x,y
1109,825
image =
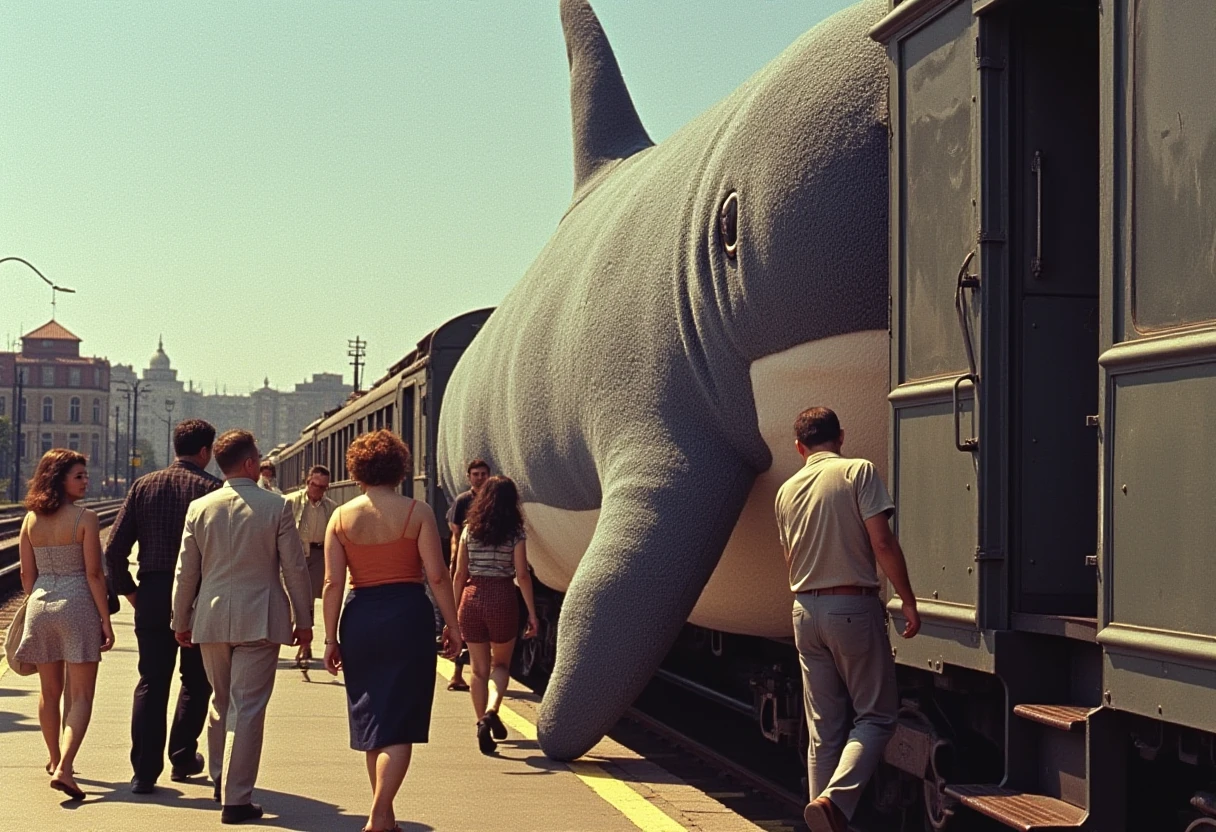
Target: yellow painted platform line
x,y
3,666
641,812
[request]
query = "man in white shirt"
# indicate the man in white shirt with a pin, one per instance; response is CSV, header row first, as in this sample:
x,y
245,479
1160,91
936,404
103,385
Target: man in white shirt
x,y
311,510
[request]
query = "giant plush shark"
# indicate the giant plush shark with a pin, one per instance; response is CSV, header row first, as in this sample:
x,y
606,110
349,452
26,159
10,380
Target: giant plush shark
x,y
641,381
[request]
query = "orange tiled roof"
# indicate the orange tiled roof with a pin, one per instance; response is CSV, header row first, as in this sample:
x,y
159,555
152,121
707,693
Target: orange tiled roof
x,y
51,331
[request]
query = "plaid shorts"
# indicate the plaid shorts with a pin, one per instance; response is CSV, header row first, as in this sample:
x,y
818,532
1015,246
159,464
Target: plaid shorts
x,y
489,610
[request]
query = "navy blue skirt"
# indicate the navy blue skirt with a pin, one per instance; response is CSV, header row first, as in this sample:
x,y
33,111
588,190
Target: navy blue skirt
x,y
387,638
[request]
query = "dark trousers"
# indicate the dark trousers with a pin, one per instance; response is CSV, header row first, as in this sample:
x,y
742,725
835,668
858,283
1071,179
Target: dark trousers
x,y
158,653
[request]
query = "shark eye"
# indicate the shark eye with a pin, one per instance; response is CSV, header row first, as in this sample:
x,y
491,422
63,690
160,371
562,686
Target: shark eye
x,y
728,225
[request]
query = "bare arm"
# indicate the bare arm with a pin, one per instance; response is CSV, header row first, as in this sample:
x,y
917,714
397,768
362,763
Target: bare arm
x,y
29,568
890,558
430,547
96,574
524,578
335,577
454,531
460,571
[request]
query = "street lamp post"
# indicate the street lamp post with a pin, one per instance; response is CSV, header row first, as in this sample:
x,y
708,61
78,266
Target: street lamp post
x,y
169,405
115,450
19,381
18,438
132,390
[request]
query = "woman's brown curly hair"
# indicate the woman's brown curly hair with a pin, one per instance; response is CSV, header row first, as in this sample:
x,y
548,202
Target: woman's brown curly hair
x,y
378,458
495,518
45,494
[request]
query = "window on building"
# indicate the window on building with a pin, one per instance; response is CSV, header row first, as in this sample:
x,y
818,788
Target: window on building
x,y
73,441
24,410
95,457
97,411
48,376
74,377
46,442
48,344
48,409
74,410
96,376
2,401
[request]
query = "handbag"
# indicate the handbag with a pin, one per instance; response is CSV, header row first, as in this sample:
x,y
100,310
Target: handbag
x,y
12,640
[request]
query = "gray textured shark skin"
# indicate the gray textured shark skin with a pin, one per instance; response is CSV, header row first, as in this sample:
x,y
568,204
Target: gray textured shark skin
x,y
615,375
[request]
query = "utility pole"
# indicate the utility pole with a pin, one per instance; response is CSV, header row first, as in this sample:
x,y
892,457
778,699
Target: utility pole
x,y
356,349
18,438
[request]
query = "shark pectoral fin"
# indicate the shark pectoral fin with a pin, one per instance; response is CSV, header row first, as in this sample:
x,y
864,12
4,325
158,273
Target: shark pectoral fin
x,y
654,548
606,124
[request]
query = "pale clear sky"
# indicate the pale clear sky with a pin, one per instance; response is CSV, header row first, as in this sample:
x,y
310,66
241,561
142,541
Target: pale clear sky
x,y
260,181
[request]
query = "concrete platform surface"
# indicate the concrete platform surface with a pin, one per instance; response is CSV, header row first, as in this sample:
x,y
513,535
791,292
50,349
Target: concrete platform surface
x,y
312,781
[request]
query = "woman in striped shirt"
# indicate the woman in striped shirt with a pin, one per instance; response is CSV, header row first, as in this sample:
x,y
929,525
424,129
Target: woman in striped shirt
x,y
492,557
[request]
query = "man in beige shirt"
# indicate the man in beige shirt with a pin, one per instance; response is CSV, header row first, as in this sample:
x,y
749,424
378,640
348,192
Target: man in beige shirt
x,y
241,590
833,520
311,510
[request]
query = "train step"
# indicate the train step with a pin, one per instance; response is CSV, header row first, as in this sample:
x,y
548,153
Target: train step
x,y
1061,717
1019,810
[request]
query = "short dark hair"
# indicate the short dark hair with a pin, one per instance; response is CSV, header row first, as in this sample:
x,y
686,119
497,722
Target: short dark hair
x,y
266,463
191,436
234,447
320,469
477,463
378,458
817,425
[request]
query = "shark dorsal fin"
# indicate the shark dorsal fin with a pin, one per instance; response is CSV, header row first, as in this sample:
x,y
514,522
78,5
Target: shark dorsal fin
x,y
606,125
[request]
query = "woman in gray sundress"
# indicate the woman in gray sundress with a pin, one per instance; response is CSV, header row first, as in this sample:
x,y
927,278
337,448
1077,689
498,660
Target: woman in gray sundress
x,y
67,620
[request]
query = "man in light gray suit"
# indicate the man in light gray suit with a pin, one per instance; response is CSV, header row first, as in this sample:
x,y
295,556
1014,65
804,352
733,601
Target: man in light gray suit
x,y
239,550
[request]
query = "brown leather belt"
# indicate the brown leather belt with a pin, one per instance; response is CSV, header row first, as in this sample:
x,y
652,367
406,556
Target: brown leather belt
x,y
842,590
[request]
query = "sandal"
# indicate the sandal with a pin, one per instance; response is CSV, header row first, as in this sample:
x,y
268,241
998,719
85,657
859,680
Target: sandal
x,y
485,742
454,685
497,729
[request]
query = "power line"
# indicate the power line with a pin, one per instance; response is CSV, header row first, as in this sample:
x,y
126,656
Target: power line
x,y
356,350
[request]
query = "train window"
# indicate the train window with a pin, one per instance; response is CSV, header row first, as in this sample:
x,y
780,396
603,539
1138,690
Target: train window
x,y
388,417
1173,160
360,431
937,77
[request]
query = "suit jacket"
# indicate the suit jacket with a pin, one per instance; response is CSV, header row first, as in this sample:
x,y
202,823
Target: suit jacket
x,y
240,549
298,499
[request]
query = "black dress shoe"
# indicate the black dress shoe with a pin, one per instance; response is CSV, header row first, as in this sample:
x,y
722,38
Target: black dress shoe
x,y
240,812
185,772
141,786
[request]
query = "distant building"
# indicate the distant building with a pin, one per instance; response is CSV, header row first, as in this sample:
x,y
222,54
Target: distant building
x,y
65,400
274,416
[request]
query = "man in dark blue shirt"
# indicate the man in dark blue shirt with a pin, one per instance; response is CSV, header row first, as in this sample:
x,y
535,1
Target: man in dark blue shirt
x,y
153,516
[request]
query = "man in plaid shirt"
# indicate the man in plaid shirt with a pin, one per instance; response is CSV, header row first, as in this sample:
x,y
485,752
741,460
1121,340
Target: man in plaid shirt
x,y
153,516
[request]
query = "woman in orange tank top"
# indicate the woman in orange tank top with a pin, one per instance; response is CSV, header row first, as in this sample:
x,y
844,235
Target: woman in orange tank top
x,y
383,638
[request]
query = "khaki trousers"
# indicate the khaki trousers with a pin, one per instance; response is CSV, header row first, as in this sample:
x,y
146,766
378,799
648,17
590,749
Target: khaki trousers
x,y
846,664
242,679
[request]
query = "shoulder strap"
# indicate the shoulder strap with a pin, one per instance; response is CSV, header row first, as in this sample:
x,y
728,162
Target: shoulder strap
x,y
338,527
77,524
407,518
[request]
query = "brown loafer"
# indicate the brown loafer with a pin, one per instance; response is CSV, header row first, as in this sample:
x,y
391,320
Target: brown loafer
x,y
822,815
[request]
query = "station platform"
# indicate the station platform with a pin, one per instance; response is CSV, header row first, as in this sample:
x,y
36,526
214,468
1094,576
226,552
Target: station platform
x,y
312,781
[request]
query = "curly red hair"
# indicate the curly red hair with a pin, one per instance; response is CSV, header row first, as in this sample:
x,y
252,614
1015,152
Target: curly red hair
x,y
46,495
378,458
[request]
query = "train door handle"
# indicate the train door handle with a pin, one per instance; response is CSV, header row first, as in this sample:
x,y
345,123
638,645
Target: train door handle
x,y
971,443
1036,170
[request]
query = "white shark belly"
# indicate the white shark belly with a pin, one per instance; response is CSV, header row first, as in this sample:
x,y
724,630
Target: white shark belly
x,y
749,590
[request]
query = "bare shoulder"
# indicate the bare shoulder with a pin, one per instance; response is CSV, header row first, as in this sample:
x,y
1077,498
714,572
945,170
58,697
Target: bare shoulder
x,y
89,518
423,509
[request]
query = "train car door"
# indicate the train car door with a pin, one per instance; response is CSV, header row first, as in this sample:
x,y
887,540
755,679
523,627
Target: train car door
x,y
938,435
406,417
